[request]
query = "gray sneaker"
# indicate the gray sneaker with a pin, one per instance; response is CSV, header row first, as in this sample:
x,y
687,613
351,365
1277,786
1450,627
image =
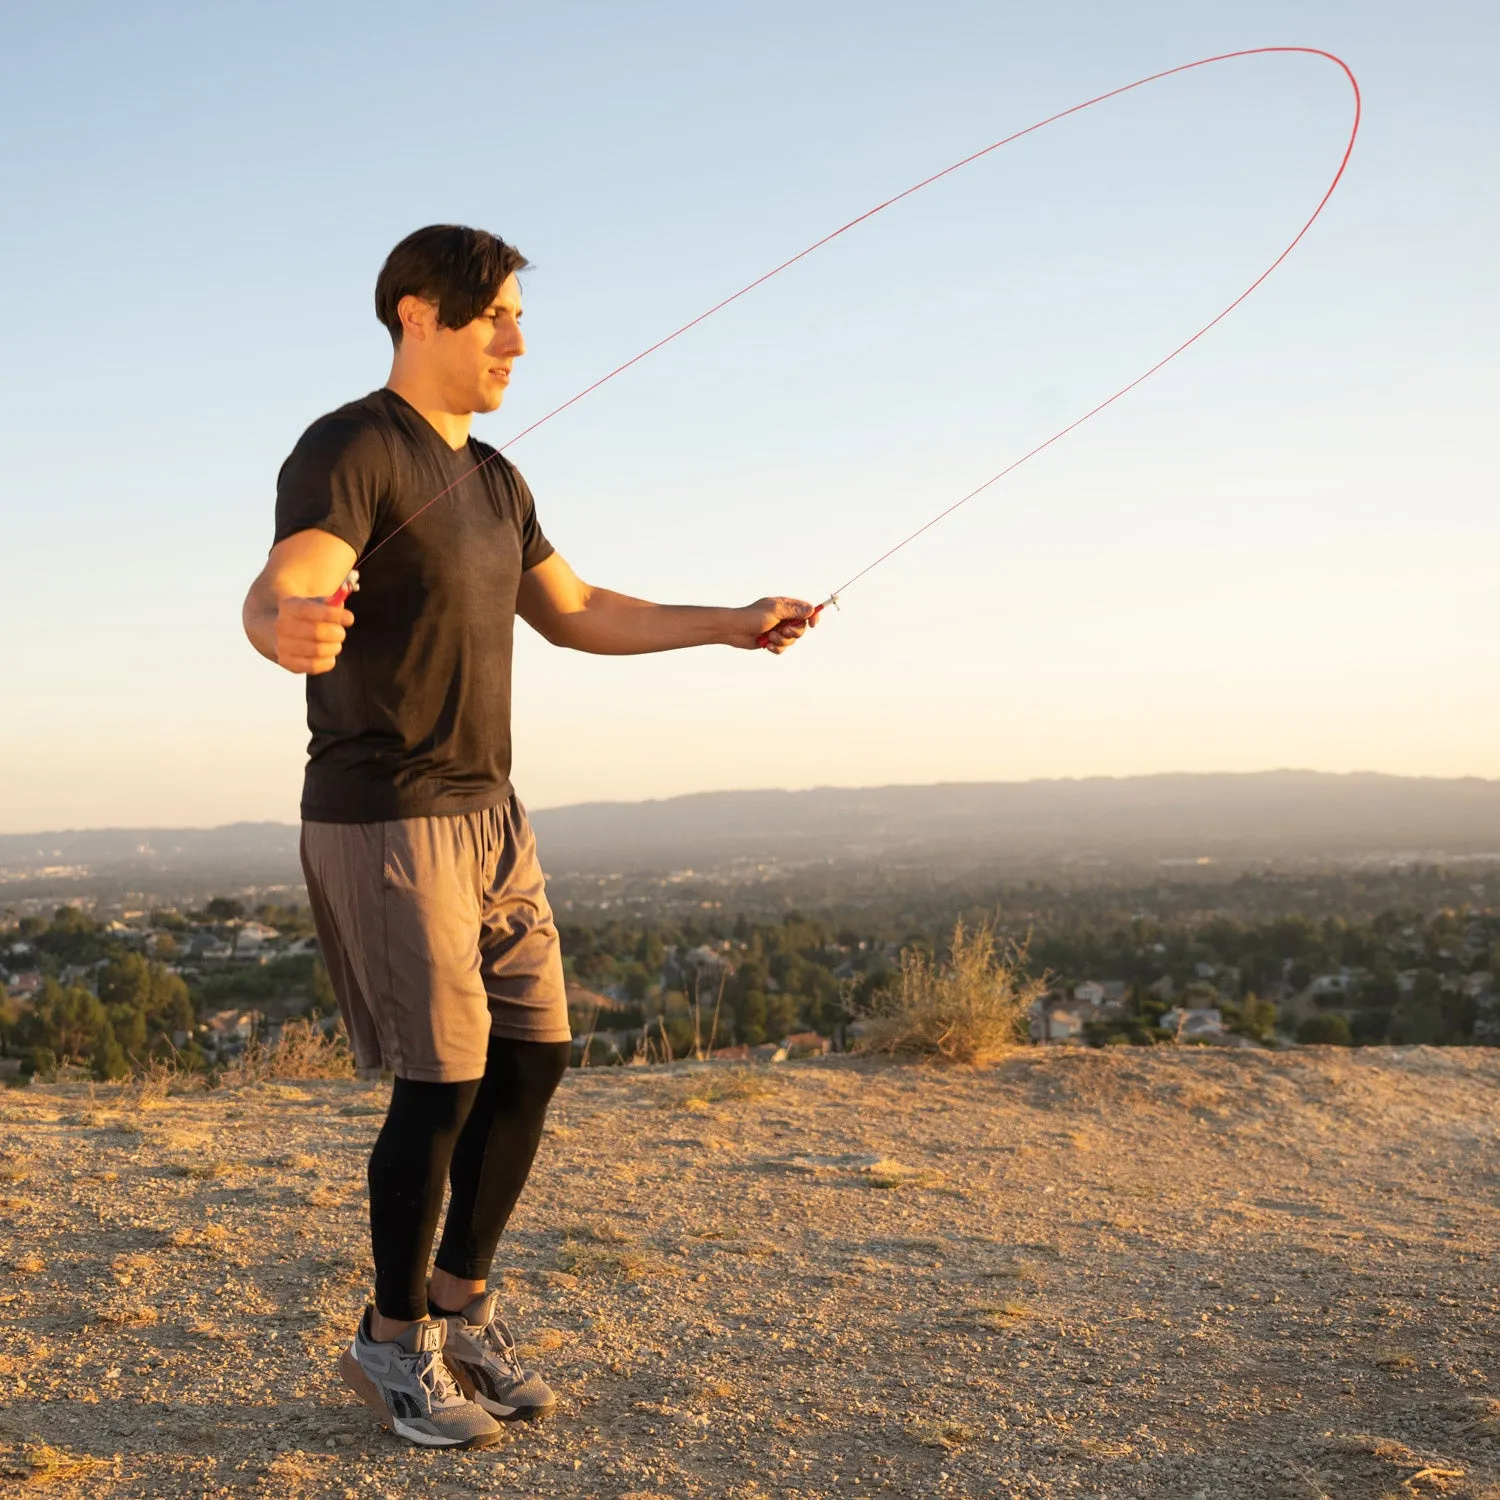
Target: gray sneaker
x,y
482,1354
411,1389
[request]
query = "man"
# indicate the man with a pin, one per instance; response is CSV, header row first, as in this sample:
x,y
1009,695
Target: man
x,y
421,869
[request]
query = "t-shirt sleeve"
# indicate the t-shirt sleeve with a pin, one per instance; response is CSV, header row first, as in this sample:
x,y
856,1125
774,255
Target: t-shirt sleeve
x,y
334,480
535,547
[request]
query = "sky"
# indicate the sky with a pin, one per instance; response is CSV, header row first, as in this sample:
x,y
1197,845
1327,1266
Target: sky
x,y
1284,550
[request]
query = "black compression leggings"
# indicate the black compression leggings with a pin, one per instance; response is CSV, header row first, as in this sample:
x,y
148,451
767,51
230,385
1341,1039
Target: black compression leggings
x,y
483,1136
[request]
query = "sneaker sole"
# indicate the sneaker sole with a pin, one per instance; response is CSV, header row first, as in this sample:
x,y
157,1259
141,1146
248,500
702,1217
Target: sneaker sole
x,y
514,1413
353,1375
494,1408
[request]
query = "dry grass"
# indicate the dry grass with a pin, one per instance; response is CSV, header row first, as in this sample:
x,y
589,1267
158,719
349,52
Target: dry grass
x,y
208,1167
888,1174
1000,1314
1027,1271
301,1051
932,1433
971,1009
731,1086
160,1079
612,1258
37,1465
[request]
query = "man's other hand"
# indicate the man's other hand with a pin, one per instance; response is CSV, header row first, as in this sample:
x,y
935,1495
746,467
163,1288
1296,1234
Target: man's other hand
x,y
287,616
785,620
310,634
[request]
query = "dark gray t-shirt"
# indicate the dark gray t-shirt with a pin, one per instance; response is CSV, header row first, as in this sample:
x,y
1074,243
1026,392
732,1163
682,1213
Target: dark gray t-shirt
x,y
414,719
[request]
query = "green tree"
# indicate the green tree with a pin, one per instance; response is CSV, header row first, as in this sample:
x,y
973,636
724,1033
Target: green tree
x,y
72,937
594,968
748,979
781,1016
127,1028
65,1022
126,981
651,952
680,1036
750,1018
39,1061
1325,1031
1426,987
107,1059
1382,990
145,1002
1257,1018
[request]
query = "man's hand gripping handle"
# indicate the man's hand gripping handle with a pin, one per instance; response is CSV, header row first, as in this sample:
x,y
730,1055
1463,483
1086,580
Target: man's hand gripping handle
x,y
765,638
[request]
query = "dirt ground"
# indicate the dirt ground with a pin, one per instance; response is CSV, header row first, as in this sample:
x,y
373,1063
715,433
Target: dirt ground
x,y
1183,1273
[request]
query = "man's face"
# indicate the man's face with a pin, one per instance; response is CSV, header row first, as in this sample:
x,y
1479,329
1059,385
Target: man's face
x,y
476,359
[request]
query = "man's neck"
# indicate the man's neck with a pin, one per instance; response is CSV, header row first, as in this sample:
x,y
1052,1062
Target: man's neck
x,y
451,426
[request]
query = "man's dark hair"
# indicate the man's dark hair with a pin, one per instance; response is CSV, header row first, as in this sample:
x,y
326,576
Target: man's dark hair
x,y
457,268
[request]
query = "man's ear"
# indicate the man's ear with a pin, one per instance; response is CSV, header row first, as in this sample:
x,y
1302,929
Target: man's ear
x,y
418,317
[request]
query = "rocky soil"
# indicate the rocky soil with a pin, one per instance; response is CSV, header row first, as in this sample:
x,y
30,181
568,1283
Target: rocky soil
x,y
1183,1273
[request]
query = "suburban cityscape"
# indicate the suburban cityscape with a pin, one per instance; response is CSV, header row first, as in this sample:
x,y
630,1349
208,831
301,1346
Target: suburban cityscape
x,y
695,964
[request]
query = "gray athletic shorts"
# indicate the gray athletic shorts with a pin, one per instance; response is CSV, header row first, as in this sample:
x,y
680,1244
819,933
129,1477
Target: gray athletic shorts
x,y
437,935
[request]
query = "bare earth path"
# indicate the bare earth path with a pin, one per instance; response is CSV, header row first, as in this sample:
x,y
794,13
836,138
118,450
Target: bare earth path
x,y
1177,1273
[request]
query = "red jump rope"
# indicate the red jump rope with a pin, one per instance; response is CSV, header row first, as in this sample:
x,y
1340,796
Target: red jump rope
x,y
352,582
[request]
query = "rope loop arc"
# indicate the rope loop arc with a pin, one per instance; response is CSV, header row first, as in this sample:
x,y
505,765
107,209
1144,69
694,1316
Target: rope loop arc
x,y
677,333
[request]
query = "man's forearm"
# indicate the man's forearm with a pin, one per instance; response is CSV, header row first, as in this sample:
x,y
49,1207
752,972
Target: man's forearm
x,y
259,619
610,624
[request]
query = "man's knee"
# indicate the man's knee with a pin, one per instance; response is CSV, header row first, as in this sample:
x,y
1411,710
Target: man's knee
x,y
528,1072
423,1112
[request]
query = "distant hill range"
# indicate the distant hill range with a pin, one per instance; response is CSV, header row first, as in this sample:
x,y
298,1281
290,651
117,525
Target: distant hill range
x,y
1274,814
1266,815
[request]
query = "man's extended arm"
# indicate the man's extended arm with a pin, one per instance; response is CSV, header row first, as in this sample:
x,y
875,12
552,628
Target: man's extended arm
x,y
285,615
566,611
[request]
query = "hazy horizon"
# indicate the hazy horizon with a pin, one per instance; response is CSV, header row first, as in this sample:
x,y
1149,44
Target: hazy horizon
x,y
1271,814
751,791
1280,552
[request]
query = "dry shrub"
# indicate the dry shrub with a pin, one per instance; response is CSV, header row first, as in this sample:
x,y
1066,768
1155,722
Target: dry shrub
x,y
302,1051
161,1078
971,1009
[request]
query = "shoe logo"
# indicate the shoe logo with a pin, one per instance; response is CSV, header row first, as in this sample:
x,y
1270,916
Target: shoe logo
x,y
403,1404
430,1337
